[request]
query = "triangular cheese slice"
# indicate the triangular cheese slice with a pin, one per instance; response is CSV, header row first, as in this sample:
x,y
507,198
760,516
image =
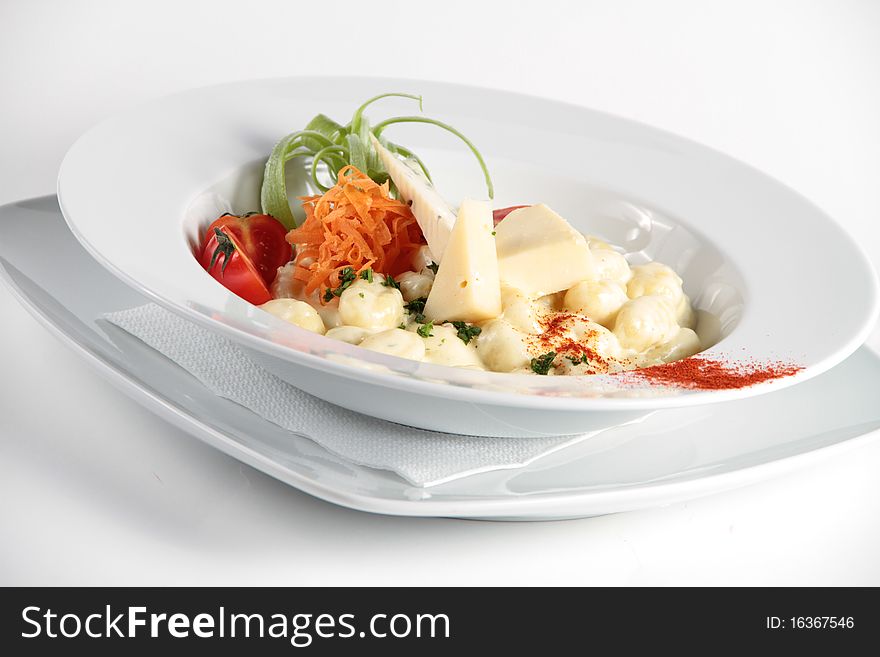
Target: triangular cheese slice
x,y
432,213
467,287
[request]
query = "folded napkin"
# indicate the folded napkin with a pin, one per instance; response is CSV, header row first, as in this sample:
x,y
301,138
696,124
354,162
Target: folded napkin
x,y
424,458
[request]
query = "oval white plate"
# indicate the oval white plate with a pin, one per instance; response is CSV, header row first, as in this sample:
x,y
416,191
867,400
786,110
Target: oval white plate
x,y
784,280
670,457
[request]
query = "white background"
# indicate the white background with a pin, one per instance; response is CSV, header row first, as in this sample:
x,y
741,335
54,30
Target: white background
x,y
96,490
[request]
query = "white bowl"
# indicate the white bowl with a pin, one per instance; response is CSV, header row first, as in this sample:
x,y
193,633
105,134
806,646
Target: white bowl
x,y
784,282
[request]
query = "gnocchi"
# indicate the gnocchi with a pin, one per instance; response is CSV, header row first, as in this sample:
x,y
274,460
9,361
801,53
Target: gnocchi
x,y
609,265
371,305
285,286
521,311
502,347
443,347
295,312
349,334
414,285
599,300
645,322
396,342
683,344
654,278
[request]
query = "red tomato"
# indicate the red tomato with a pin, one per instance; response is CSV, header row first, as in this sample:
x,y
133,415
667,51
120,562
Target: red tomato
x,y
498,215
261,237
226,260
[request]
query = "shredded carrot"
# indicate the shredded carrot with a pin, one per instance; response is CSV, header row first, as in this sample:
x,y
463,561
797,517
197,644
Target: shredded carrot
x,y
354,224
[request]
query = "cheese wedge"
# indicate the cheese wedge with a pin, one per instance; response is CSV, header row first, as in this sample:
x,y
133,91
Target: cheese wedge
x,y
540,253
467,287
432,213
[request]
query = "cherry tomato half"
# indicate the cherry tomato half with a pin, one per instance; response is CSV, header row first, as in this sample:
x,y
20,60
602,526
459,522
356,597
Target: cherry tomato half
x,y
498,215
261,237
226,260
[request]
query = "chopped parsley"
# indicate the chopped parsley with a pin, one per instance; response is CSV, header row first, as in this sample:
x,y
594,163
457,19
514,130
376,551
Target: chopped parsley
x,y
367,275
425,330
416,305
390,282
401,326
467,332
493,233
416,308
577,360
346,277
542,364
434,267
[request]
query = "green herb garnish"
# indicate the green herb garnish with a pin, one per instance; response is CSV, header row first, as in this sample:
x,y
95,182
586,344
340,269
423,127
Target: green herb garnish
x,y
542,364
425,330
390,282
416,308
367,275
336,146
346,277
467,332
416,305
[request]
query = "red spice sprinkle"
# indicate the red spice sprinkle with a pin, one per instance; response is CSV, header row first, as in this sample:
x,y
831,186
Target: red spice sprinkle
x,y
706,374
556,336
555,326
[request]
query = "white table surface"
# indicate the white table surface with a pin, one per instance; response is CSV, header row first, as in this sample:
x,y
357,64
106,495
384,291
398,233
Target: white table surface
x,y
96,490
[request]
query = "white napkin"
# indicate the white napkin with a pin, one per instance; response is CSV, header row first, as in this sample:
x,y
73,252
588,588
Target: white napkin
x,y
424,458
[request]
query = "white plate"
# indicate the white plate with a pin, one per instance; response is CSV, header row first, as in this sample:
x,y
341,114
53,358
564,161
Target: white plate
x,y
784,280
671,456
